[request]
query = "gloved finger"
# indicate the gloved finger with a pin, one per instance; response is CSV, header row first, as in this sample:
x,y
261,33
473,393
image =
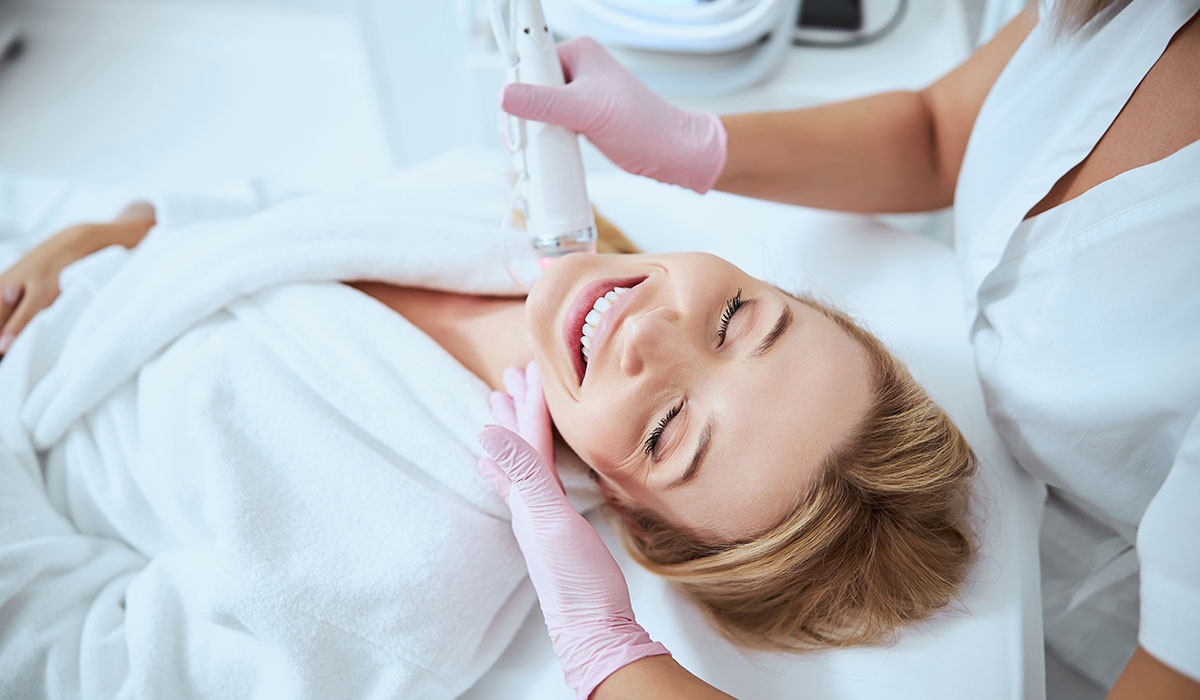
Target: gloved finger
x,y
494,475
554,104
514,383
535,398
575,54
503,409
521,462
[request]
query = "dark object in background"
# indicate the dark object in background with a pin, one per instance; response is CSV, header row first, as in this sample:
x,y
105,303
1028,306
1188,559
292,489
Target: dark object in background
x,y
11,43
831,14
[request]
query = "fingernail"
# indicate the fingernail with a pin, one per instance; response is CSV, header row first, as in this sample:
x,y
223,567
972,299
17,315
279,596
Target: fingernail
x,y
11,293
6,340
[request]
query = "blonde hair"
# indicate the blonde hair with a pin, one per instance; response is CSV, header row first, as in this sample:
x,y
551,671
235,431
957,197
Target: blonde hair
x,y
1071,15
880,539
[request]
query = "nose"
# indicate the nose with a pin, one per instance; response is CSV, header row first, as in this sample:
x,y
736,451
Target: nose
x,y
651,339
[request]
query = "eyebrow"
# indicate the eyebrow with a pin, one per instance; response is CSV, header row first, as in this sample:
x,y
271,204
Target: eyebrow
x,y
764,346
777,331
701,452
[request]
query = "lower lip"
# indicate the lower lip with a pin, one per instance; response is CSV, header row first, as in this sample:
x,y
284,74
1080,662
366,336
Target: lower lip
x,y
579,309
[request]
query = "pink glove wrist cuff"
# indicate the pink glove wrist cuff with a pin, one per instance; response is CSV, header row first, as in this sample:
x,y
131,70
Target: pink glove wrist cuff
x,y
710,161
609,661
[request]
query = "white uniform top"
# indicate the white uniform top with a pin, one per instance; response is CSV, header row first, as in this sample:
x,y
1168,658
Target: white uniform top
x,y
1085,321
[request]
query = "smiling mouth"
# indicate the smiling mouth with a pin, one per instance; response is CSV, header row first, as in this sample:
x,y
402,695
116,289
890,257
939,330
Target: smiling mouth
x,y
577,313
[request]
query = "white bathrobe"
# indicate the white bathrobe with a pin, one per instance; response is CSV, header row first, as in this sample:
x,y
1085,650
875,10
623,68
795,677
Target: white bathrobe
x,y
224,474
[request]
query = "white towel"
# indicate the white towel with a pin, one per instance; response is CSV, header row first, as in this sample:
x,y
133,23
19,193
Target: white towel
x,y
223,474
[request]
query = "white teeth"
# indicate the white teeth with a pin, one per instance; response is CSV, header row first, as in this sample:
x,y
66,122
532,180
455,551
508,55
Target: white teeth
x,y
592,320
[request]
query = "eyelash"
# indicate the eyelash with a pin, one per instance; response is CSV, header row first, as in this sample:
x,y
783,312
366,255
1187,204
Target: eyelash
x,y
651,444
731,308
650,447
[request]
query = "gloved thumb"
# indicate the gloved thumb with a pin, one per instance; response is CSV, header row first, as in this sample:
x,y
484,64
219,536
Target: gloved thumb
x,y
553,104
523,465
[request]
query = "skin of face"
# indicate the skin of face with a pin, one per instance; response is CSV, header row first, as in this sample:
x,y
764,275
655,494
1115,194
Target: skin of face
x,y
774,416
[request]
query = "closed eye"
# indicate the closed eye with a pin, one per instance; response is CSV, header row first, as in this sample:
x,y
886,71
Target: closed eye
x,y
731,308
650,446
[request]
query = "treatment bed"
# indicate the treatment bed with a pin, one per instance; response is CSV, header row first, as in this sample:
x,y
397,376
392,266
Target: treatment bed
x,y
905,288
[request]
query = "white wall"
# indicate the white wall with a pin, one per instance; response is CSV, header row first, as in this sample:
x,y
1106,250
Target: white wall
x,y
185,93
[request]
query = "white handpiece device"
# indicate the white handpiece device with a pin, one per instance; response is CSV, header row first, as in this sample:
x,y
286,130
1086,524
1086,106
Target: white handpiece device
x,y
550,184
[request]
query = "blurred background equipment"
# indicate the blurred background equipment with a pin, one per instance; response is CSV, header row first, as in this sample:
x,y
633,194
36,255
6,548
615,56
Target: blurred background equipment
x,y
700,49
844,23
10,42
712,26
188,93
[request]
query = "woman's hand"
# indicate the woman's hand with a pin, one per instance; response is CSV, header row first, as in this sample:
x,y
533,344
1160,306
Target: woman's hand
x,y
31,284
635,128
582,592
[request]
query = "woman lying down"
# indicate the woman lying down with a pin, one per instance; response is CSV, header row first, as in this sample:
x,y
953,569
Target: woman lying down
x,y
227,474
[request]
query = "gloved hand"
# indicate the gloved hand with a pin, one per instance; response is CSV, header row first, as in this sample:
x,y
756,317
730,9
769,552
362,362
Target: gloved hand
x,y
638,130
582,592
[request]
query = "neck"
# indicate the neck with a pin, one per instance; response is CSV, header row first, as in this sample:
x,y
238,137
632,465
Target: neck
x,y
493,338
485,334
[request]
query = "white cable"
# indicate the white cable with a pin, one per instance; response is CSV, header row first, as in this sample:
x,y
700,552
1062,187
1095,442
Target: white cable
x,y
716,10
726,32
498,25
706,80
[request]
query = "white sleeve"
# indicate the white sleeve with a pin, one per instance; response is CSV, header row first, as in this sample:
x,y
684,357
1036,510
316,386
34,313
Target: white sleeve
x,y
237,199
33,207
1170,559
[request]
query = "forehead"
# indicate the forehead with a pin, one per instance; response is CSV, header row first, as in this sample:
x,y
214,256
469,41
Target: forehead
x,y
777,417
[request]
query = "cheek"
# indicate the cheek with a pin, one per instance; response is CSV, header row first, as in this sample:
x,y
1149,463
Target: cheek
x,y
598,439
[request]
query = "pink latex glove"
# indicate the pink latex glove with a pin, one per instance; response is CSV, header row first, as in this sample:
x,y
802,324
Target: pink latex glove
x,y
638,130
582,592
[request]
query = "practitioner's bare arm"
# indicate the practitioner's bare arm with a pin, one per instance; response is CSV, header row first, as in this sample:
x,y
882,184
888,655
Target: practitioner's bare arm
x,y
897,151
655,678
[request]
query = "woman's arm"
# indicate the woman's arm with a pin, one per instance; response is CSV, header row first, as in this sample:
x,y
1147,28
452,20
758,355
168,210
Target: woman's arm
x,y
898,151
31,284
